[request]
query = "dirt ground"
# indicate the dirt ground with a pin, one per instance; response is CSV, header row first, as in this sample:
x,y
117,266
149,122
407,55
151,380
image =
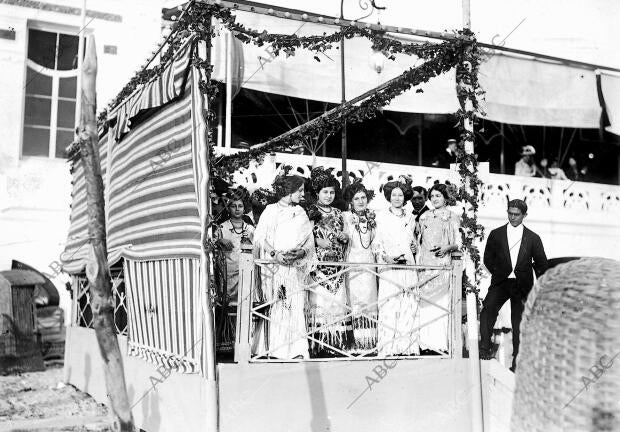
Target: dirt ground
x,y
40,401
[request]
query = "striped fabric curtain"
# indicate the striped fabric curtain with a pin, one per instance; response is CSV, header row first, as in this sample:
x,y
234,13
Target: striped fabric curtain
x,y
76,251
164,312
156,162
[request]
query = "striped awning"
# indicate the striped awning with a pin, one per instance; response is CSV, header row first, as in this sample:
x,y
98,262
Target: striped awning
x,y
160,91
152,209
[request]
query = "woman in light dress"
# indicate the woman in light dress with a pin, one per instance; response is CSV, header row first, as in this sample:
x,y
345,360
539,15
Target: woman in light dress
x,y
361,284
327,301
439,236
229,236
284,235
398,332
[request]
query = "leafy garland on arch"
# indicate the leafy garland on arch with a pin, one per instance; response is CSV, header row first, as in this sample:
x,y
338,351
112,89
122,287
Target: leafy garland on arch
x,y
468,89
198,14
332,121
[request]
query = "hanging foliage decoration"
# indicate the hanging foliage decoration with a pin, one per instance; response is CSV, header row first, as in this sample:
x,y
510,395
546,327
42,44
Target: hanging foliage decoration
x,y
468,89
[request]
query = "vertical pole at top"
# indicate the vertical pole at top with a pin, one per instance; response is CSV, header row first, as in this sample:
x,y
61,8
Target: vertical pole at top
x,y
229,90
502,155
80,62
343,149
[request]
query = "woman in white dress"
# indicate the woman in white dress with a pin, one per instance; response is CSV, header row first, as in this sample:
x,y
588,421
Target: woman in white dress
x,y
398,332
229,236
284,235
439,237
361,284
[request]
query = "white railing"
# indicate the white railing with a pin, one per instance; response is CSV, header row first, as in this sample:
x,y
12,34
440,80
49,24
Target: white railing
x,y
253,318
539,193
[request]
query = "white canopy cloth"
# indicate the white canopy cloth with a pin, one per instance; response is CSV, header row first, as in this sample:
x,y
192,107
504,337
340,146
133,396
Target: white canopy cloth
x,y
519,90
610,84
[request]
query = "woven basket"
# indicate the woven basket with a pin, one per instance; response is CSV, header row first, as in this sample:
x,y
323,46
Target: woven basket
x,y
568,374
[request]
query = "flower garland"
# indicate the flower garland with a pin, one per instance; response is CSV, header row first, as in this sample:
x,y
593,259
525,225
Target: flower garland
x,y
331,122
199,13
468,88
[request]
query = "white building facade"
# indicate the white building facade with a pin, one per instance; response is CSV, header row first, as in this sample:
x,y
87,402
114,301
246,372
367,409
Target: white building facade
x,y
38,78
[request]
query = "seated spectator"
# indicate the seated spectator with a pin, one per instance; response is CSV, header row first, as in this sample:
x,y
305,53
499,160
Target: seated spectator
x,y
574,173
555,172
526,166
447,157
544,168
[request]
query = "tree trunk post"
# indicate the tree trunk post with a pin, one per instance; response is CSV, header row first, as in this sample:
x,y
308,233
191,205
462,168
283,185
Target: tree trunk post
x,y
102,301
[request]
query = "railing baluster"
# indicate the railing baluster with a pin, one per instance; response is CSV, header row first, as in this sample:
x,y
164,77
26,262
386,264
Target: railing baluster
x,y
456,285
244,306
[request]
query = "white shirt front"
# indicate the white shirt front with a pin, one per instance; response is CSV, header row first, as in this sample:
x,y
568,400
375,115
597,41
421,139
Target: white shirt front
x,y
514,234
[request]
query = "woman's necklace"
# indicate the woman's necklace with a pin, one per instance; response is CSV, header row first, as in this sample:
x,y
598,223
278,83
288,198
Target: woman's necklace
x,y
402,212
359,233
235,230
358,225
322,206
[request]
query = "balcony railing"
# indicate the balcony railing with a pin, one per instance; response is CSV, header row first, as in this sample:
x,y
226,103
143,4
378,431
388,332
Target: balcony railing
x,y
257,315
545,195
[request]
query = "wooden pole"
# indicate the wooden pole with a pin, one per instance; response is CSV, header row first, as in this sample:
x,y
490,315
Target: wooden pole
x,y
477,421
343,99
102,302
343,136
81,32
209,367
229,89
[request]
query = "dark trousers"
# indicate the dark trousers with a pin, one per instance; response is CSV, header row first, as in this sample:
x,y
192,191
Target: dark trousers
x,y
493,302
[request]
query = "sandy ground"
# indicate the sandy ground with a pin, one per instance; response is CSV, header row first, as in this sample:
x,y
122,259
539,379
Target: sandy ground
x,y
39,401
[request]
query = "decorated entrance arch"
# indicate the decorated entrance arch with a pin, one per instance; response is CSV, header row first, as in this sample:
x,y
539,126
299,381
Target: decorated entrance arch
x,y
458,49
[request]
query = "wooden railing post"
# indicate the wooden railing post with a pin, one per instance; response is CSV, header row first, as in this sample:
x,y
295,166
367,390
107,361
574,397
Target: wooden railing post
x,y
244,305
456,315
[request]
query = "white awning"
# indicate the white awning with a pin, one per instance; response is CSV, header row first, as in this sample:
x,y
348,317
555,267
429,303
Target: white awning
x,y
519,90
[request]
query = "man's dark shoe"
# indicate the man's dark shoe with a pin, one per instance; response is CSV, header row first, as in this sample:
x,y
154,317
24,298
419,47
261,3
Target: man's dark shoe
x,y
488,354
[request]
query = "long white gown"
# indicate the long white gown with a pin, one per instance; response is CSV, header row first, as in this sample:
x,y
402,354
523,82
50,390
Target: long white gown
x,y
398,305
362,284
283,228
437,228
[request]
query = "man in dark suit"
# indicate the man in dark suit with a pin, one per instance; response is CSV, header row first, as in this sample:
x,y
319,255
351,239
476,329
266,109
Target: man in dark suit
x,y
418,201
511,254
446,157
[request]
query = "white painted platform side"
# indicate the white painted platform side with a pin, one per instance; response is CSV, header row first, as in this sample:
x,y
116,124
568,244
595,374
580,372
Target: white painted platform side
x,y
364,395
415,395
175,403
498,384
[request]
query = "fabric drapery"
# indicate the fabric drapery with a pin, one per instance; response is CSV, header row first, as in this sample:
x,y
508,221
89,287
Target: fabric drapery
x,y
164,307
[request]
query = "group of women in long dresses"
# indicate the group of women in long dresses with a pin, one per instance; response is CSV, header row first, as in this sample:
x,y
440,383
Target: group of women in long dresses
x,y
376,304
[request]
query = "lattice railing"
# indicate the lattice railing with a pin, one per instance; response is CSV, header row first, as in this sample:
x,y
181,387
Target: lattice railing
x,y
277,326
83,312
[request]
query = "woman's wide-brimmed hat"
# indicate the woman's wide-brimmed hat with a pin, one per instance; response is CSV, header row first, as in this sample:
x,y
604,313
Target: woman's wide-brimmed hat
x,y
528,150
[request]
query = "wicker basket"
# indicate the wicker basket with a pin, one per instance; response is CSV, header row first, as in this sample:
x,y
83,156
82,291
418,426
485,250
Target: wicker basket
x,y
568,375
